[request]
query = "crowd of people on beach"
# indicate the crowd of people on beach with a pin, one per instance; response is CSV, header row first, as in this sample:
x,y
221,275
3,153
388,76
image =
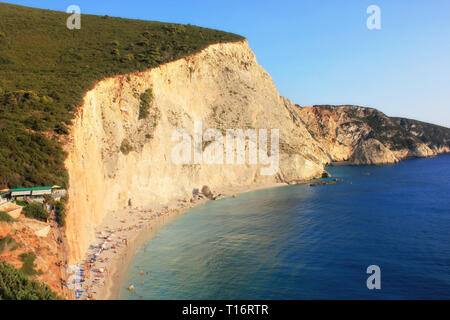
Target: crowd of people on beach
x,y
94,271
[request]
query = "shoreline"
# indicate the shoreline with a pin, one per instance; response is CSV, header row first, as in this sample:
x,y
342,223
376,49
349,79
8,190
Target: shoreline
x,y
124,231
141,225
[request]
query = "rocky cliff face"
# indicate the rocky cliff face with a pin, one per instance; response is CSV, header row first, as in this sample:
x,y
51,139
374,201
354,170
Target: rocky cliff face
x,y
361,135
117,159
437,138
124,137
20,237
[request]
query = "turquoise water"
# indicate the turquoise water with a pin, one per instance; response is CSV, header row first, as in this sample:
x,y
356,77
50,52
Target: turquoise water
x,y
301,242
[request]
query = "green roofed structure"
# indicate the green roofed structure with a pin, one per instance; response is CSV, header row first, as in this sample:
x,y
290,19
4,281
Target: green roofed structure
x,y
35,193
30,192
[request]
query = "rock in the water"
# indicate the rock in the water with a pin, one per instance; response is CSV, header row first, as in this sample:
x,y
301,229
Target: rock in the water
x,y
319,183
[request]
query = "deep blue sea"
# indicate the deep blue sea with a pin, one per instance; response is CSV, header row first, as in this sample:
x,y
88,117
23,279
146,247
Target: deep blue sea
x,y
302,242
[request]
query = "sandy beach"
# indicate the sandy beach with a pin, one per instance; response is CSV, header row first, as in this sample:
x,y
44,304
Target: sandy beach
x,y
122,232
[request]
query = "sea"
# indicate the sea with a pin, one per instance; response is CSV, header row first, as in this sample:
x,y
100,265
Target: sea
x,y
305,242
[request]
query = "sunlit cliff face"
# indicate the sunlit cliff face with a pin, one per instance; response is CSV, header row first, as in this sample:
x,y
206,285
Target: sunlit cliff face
x,y
116,159
363,135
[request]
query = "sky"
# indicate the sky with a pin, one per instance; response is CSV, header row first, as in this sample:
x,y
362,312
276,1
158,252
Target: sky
x,y
321,52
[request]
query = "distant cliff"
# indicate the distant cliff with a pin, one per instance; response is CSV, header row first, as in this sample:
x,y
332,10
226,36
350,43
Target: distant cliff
x,y
437,138
361,135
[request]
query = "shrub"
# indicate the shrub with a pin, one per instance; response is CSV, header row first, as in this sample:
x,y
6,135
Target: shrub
x,y
60,128
60,212
128,57
5,217
143,43
35,211
21,203
115,52
15,285
126,147
46,99
146,101
8,244
28,264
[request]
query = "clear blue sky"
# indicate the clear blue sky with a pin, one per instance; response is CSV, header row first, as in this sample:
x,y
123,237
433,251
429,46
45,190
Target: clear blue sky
x,y
321,52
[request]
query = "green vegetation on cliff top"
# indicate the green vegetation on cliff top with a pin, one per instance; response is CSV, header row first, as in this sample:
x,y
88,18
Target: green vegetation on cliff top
x,y
45,69
15,285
